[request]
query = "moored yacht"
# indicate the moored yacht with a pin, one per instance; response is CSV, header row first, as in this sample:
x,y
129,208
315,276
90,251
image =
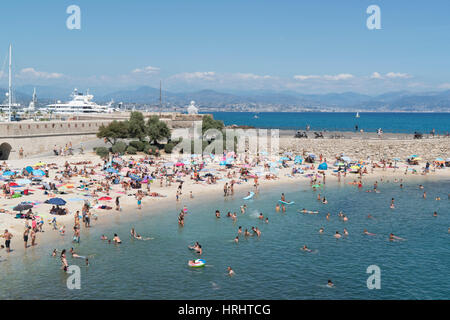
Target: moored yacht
x,y
80,103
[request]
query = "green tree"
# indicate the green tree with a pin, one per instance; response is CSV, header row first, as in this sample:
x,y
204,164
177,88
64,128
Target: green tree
x,y
209,123
157,130
113,131
136,126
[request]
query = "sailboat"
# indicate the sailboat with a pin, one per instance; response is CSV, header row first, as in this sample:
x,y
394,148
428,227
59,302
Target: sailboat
x,y
10,107
357,115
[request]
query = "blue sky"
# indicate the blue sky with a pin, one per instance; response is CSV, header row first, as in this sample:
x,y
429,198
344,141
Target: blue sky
x,y
306,46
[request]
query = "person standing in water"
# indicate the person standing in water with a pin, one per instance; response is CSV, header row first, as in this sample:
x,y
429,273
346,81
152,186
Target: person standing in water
x,y
63,258
25,236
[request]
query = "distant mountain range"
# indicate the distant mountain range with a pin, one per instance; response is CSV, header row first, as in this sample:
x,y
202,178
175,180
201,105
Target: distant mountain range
x,y
258,99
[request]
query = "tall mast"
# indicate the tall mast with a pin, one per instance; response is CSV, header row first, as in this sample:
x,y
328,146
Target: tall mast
x,y
10,84
160,98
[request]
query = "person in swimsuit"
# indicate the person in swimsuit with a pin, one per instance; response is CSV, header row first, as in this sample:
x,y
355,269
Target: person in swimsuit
x,y
116,239
63,258
25,236
7,236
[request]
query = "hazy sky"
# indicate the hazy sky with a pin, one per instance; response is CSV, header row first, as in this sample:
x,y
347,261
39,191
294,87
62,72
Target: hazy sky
x,y
306,46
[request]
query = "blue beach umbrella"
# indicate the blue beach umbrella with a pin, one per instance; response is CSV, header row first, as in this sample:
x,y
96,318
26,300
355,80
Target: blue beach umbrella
x,y
322,166
135,177
9,173
112,170
29,169
56,201
38,172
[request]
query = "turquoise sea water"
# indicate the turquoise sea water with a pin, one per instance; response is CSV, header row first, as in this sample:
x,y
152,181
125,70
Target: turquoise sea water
x,y
271,267
341,121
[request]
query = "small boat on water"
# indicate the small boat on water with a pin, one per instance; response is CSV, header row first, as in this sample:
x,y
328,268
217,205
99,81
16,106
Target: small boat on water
x,y
255,116
357,115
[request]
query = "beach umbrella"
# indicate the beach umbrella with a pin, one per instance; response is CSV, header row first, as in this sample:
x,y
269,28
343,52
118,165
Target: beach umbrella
x,y
56,201
22,207
439,159
112,170
39,164
38,172
222,163
135,177
105,199
284,158
13,184
16,195
179,164
322,166
23,181
29,169
8,173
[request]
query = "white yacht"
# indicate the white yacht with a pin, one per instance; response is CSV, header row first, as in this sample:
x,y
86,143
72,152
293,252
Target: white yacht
x,y
80,103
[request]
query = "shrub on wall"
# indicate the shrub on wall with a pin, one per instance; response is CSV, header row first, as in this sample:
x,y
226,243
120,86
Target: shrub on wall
x,y
138,145
131,150
119,147
102,152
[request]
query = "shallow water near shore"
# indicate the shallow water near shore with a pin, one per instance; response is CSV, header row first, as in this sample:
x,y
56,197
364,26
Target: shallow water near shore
x,y
269,267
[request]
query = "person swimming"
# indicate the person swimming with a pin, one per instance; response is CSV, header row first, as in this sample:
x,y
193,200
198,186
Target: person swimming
x,y
230,271
305,248
337,235
392,204
116,239
393,237
330,284
75,255
368,233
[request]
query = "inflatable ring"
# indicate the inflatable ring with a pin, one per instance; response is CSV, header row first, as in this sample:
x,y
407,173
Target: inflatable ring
x,y
199,263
